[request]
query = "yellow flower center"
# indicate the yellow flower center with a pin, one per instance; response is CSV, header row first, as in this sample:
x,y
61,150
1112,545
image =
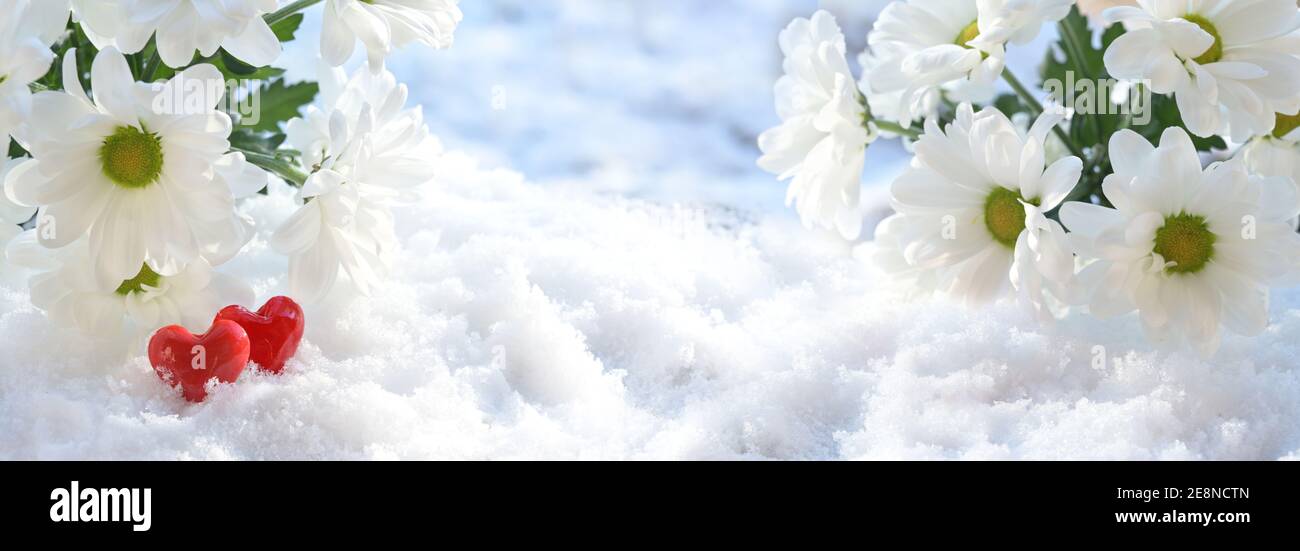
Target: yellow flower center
x,y
131,157
968,34
146,277
1004,215
1285,124
1186,240
1215,51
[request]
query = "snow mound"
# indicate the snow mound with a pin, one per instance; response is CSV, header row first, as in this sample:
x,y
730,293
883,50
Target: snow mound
x,y
526,322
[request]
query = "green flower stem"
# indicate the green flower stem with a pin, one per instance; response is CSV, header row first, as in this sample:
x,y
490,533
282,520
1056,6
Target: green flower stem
x,y
283,13
890,126
1027,97
280,167
1075,45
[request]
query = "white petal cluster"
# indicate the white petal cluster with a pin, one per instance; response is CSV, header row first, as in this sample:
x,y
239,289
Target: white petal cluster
x,y
924,51
12,216
125,316
383,26
1272,156
365,151
24,57
1016,22
820,143
181,28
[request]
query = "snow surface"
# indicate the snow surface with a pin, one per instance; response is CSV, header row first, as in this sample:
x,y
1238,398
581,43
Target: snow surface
x,y
642,294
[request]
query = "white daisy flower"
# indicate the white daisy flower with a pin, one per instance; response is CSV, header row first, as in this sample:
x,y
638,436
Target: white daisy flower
x,y
24,57
1188,248
384,26
139,181
182,27
971,211
1221,59
821,142
924,48
70,297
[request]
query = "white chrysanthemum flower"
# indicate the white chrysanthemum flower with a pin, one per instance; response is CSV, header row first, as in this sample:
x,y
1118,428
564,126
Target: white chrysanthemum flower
x,y
400,153
1188,248
134,174
24,57
924,48
385,25
822,139
68,294
182,27
971,211
337,229
1221,59
365,151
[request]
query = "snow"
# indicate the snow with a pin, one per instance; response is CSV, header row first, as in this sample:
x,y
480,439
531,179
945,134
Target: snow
x,y
600,273
527,322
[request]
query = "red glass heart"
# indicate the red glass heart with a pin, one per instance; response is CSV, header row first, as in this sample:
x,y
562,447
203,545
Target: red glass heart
x,y
189,361
274,331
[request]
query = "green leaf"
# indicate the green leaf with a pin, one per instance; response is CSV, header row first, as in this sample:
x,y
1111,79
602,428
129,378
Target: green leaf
x,y
1165,114
281,102
1091,62
234,66
1109,35
286,28
234,69
1010,105
247,139
15,150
